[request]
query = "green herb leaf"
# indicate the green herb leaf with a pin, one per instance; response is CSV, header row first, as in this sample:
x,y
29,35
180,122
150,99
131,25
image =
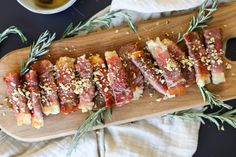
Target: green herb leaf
x,y
12,30
217,118
205,14
88,26
37,49
212,98
92,120
109,111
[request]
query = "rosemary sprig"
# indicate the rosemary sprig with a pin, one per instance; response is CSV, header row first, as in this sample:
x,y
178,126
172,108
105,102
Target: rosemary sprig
x,y
201,19
109,112
37,49
95,118
217,118
89,25
12,30
212,98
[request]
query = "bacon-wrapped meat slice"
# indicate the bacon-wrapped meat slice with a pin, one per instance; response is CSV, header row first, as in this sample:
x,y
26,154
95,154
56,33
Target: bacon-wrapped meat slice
x,y
34,102
65,76
185,62
17,98
197,51
118,79
100,74
171,70
84,85
134,74
213,40
149,71
47,84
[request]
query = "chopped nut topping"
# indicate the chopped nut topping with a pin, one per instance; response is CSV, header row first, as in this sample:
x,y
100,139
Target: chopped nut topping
x,y
171,66
159,99
228,66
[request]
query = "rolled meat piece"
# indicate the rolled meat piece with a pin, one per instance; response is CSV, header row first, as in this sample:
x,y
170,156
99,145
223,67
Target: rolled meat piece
x,y
48,87
100,73
17,98
85,85
118,79
186,62
213,41
171,69
34,103
65,77
149,71
196,50
134,74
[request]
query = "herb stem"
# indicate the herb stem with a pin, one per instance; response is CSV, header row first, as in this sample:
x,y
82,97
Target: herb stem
x,y
212,98
91,24
91,121
12,30
205,14
37,49
217,118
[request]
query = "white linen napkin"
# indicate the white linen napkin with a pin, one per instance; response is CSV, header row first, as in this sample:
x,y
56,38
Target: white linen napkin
x,y
162,137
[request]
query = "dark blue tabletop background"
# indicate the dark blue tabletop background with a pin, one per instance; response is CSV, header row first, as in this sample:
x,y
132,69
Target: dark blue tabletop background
x,y
212,143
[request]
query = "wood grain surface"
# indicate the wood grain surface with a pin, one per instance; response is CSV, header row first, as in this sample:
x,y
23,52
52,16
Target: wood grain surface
x,y
110,39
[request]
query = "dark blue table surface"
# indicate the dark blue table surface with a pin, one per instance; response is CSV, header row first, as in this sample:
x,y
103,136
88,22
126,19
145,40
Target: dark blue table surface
x,y
212,143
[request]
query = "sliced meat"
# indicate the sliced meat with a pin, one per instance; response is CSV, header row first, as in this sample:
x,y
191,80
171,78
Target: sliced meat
x,y
17,98
171,69
65,76
84,85
49,97
100,73
186,62
149,71
197,51
134,74
213,41
118,79
34,102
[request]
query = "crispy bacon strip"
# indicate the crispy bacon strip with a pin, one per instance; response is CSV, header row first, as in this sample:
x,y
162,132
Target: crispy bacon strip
x,y
134,74
213,40
66,84
85,86
171,70
183,60
118,79
197,51
17,98
100,74
34,102
49,98
150,73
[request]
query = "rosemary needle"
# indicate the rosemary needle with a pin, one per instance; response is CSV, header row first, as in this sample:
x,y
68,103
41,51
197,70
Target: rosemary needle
x,y
92,120
212,98
38,49
90,25
205,14
217,118
12,30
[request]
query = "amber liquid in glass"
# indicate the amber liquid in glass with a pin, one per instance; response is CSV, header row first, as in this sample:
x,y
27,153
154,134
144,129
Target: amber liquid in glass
x,y
50,3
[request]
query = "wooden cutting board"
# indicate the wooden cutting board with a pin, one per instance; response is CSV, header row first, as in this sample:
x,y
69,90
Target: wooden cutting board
x,y
110,39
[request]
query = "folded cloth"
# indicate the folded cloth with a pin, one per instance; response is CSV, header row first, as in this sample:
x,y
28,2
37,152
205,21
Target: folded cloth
x,y
158,136
9,146
153,137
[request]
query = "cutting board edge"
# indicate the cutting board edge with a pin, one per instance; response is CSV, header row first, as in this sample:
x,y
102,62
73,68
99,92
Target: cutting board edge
x,y
68,133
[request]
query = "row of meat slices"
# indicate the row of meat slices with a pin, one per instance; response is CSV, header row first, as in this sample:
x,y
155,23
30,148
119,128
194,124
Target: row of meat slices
x,y
91,81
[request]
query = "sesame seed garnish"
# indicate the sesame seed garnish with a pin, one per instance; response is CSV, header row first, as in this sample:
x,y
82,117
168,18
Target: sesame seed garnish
x,y
228,66
159,99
